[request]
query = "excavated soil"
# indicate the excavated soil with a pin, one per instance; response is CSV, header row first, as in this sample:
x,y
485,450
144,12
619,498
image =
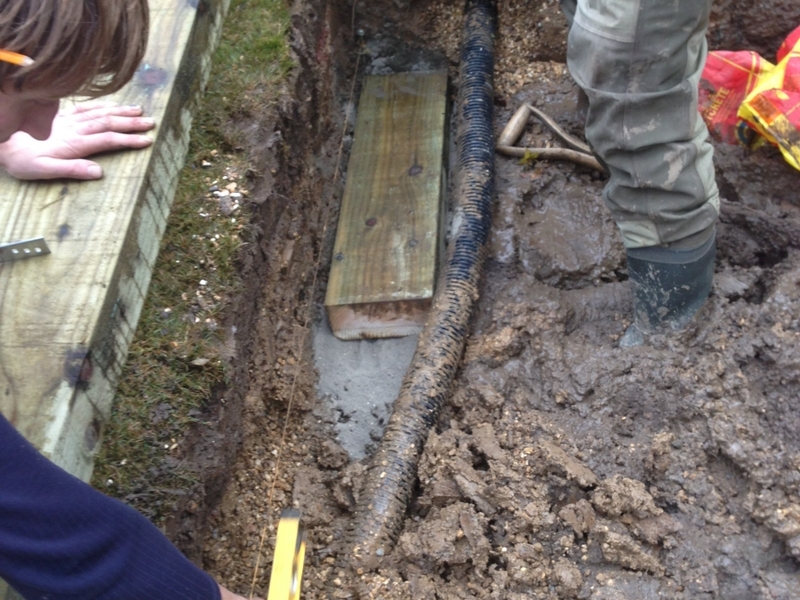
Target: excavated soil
x,y
564,466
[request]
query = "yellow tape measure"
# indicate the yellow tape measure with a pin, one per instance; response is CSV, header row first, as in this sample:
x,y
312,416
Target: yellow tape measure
x,y
290,554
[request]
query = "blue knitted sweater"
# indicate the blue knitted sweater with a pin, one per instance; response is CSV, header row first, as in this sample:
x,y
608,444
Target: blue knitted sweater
x,y
60,539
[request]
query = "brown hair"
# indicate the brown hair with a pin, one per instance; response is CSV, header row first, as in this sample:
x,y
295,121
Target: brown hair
x,y
85,47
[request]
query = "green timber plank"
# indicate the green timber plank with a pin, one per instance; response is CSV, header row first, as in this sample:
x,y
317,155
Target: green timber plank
x,y
389,234
66,319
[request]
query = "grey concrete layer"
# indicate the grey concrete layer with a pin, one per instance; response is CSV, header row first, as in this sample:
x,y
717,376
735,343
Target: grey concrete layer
x,y
360,379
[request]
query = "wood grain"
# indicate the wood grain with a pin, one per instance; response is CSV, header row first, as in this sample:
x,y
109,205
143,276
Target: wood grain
x,y
389,233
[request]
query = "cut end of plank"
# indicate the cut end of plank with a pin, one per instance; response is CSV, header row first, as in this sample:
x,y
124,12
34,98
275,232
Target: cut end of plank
x,y
378,320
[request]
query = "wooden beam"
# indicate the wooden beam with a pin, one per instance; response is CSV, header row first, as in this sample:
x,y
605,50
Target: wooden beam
x,y
390,226
66,319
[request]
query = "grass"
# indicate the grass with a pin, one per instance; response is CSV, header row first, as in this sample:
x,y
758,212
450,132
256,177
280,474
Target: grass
x,y
176,362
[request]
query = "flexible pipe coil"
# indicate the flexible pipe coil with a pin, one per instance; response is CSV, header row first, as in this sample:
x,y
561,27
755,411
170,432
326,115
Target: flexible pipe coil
x,y
391,477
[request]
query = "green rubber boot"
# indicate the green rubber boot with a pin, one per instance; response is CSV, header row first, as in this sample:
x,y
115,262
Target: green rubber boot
x,y
669,286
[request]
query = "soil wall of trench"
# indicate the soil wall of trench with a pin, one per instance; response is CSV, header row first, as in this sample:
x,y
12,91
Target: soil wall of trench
x,y
564,466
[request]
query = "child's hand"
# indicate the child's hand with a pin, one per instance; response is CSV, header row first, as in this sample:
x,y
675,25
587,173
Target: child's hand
x,y
227,595
84,130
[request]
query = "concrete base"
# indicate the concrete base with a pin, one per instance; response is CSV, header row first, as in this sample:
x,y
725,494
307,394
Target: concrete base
x,y
360,379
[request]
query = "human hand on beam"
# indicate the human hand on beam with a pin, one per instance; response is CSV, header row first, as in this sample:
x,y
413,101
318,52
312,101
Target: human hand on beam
x,y
78,132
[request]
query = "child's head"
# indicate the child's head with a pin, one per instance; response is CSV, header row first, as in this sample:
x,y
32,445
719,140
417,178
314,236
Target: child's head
x,y
85,47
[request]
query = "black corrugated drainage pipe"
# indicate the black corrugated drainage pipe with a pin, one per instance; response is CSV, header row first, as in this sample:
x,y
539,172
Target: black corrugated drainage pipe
x,y
392,473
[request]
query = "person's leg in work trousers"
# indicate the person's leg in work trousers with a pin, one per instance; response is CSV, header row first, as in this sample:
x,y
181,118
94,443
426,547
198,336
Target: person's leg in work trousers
x,y
639,62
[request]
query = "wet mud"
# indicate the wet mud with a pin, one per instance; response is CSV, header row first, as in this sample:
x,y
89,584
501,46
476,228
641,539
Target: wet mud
x,y
563,466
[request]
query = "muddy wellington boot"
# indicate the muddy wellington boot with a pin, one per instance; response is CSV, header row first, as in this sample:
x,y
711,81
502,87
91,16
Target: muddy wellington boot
x,y
669,286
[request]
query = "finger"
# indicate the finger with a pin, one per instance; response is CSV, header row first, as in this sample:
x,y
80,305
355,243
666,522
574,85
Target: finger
x,y
226,594
120,124
81,107
53,168
103,110
86,145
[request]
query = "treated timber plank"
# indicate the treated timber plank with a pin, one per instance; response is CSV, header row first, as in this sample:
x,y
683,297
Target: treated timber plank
x,y
66,319
389,234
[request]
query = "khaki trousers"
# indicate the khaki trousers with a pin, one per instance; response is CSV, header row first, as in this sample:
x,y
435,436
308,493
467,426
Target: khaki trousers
x,y
639,62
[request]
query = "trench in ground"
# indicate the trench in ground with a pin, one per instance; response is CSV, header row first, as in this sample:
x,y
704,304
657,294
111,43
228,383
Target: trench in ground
x,y
564,467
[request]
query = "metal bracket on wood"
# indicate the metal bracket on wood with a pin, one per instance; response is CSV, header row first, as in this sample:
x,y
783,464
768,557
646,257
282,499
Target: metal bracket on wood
x,y
23,249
